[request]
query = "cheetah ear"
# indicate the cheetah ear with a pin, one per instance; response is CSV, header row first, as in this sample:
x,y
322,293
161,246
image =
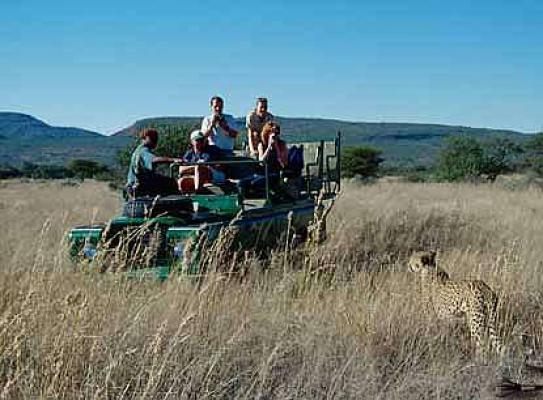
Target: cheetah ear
x,y
428,258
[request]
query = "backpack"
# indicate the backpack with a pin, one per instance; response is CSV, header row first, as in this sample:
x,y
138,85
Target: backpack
x,y
296,159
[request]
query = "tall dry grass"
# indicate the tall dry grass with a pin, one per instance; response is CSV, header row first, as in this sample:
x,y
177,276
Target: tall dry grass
x,y
354,330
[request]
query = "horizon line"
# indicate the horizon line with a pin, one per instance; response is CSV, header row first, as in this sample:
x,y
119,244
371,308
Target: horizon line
x,y
278,116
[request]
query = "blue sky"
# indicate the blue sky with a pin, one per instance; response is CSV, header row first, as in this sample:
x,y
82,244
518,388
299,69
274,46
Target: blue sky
x,y
103,64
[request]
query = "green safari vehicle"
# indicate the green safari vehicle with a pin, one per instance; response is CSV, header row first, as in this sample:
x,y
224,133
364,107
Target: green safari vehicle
x,y
155,236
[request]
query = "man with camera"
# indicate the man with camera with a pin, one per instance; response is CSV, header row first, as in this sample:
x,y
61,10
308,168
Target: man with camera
x,y
220,129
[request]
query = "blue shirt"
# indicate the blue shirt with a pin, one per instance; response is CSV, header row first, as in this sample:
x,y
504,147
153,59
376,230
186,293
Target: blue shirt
x,y
208,153
142,158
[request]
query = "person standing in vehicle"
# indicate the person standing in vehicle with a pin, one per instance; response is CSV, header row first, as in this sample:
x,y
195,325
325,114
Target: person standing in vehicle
x,y
255,121
141,177
220,129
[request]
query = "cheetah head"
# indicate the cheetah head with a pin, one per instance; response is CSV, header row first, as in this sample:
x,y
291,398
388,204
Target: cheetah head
x,y
423,262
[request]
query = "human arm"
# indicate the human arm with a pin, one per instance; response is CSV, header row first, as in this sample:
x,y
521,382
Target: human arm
x,y
253,144
262,152
228,124
149,159
165,160
252,137
207,125
265,151
282,153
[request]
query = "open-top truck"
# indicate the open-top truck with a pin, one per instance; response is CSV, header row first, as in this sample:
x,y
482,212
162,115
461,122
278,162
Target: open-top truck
x,y
158,235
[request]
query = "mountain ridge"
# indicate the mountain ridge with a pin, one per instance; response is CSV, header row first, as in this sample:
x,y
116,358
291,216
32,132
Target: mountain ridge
x,y
297,123
25,138
13,124
28,139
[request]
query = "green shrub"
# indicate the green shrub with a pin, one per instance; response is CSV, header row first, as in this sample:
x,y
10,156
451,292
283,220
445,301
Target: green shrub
x,y
84,169
465,157
533,149
45,171
173,141
360,160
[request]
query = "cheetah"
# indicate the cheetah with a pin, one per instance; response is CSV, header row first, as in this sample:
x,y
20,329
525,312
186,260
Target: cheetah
x,y
472,299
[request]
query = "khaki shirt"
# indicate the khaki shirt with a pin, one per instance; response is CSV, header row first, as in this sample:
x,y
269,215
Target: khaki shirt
x,y
255,123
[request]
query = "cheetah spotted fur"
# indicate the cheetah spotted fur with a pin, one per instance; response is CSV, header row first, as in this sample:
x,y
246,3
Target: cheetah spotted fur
x,y
474,300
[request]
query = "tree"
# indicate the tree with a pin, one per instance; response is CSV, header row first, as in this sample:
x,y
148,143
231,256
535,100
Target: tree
x,y
8,171
465,157
533,150
360,160
173,141
500,155
45,171
84,169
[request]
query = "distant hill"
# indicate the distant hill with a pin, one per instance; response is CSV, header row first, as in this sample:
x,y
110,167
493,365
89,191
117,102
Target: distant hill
x,y
405,144
140,124
402,143
16,125
27,139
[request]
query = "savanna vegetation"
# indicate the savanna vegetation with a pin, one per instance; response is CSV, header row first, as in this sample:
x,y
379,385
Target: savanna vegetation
x,y
345,323
76,168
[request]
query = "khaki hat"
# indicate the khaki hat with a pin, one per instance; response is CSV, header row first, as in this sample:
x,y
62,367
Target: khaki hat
x,y
196,135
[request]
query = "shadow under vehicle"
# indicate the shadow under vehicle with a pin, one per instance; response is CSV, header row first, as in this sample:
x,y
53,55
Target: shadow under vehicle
x,y
155,236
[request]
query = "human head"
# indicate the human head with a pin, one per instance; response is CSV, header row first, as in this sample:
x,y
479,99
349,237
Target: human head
x,y
261,106
149,137
197,140
217,104
269,129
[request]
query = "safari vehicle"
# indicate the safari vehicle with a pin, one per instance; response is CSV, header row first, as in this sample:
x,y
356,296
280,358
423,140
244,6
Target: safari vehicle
x,y
158,235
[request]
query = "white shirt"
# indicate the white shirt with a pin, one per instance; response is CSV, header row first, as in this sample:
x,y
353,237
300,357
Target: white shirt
x,y
219,137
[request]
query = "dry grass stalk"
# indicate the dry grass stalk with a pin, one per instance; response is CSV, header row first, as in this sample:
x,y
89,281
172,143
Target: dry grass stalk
x,y
359,332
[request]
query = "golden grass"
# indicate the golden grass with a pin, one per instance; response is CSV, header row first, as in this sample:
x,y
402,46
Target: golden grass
x,y
354,331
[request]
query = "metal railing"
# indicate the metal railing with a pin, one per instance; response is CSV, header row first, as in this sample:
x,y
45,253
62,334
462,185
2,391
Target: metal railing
x,y
326,175
226,163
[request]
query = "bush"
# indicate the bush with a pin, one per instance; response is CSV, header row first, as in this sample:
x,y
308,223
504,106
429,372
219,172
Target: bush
x,y
49,171
7,172
84,169
173,141
466,157
533,159
360,160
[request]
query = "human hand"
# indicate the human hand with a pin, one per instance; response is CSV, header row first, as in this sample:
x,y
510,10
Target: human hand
x,y
223,124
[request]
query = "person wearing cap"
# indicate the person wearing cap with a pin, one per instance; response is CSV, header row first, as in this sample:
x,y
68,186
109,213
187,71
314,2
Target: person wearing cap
x,y
142,178
255,121
193,177
220,129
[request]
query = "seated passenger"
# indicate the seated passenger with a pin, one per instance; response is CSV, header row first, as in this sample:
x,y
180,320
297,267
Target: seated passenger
x,y
271,149
193,177
142,180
